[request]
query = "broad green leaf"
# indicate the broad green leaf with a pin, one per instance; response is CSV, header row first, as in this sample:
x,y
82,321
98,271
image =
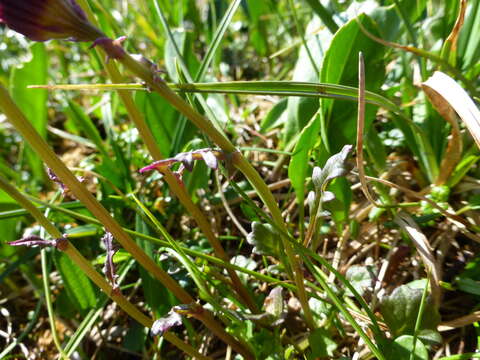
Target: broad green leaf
x,y
340,66
389,23
468,285
256,10
218,106
402,347
361,277
321,344
324,14
430,337
157,297
160,117
184,42
297,169
275,117
83,122
33,103
376,150
400,311
469,41
265,239
339,207
79,289
413,9
135,338
301,109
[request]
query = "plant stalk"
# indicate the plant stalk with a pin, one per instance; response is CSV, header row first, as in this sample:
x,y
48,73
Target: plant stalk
x,y
24,127
72,252
182,194
158,85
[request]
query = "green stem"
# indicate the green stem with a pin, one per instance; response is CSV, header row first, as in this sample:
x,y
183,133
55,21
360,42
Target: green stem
x,y
222,141
88,269
48,302
324,15
211,259
302,36
181,192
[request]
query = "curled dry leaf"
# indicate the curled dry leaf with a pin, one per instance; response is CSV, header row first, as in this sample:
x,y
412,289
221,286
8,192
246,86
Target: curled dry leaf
x,y
424,249
441,89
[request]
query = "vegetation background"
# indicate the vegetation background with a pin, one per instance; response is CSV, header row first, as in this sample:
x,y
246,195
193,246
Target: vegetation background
x,y
373,252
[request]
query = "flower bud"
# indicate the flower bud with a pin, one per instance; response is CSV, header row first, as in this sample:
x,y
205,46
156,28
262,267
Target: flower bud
x,y
42,20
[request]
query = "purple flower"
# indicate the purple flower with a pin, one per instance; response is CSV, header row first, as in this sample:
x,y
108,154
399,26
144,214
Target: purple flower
x,y
34,240
210,156
42,20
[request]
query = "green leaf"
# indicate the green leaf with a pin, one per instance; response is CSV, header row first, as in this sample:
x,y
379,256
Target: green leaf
x,y
321,344
301,109
32,102
413,9
83,122
361,277
184,42
340,66
275,117
334,168
402,347
339,207
297,169
79,289
468,285
376,150
256,10
265,239
469,41
157,297
135,338
160,117
400,311
430,337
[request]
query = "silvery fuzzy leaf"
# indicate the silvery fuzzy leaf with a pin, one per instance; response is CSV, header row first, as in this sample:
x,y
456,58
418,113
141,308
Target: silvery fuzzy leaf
x,y
210,159
265,239
334,168
327,196
164,324
317,177
273,303
311,200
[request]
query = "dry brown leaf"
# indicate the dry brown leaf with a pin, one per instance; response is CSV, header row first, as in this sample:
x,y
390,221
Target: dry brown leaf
x,y
451,41
442,90
424,249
